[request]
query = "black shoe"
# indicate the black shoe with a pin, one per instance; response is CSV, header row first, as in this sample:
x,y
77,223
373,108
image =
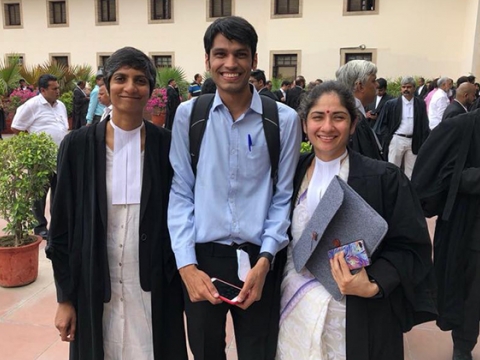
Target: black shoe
x,y
461,355
42,233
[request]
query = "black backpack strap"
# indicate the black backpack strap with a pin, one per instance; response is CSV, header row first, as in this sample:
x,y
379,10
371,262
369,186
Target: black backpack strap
x,y
198,123
271,128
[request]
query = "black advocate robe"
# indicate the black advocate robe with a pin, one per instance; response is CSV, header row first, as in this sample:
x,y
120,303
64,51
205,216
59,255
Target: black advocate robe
x,y
77,244
364,140
446,177
402,264
390,118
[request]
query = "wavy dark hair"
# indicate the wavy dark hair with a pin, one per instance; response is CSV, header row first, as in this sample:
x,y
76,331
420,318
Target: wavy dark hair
x,y
329,87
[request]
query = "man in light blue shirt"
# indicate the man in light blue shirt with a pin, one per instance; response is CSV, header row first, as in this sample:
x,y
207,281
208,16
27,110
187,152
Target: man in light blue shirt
x,y
230,216
95,108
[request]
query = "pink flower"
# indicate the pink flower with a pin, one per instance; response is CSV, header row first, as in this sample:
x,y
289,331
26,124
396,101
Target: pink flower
x,y
158,101
19,97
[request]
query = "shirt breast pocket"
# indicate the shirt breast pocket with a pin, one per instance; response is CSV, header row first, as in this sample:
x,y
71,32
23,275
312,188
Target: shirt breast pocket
x,y
258,162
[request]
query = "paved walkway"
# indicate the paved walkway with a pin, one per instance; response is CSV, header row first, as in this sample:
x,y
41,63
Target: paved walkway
x,y
27,331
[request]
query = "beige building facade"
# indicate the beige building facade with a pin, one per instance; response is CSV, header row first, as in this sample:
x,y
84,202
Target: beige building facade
x,y
308,37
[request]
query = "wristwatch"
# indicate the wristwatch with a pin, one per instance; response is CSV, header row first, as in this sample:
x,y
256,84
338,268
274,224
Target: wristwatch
x,y
267,256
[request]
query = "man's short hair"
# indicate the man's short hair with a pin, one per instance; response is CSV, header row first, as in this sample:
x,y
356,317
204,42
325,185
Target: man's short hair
x,y
170,81
408,80
471,79
300,81
355,71
234,28
133,58
382,83
259,75
286,83
461,80
21,80
196,77
44,80
209,86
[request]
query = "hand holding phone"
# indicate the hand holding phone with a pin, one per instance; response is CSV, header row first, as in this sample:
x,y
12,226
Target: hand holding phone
x,y
227,292
355,254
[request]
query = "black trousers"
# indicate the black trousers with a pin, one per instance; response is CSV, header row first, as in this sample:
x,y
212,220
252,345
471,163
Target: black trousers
x,y
40,204
206,322
465,336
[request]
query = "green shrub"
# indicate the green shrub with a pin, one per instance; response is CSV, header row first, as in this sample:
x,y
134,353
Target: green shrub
x,y
25,167
67,99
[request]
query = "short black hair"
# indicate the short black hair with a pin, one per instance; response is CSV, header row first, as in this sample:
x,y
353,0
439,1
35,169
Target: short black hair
x,y
209,86
196,76
21,80
461,80
471,79
259,75
382,83
286,83
234,28
170,81
133,58
44,80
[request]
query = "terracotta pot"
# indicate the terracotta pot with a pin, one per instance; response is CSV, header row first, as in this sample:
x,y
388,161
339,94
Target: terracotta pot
x,y
159,120
19,265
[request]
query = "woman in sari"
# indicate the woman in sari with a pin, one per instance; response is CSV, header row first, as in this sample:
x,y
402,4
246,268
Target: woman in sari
x,y
382,300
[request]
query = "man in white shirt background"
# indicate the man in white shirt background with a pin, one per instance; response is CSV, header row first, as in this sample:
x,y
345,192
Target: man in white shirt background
x,y
439,101
43,113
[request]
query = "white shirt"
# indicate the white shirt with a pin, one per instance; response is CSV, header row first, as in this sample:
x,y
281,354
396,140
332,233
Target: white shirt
x,y
406,125
420,88
127,317
37,115
360,107
379,98
107,111
437,107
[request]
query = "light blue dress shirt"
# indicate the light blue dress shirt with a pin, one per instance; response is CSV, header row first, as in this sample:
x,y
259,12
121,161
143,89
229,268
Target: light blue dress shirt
x,y
231,200
94,106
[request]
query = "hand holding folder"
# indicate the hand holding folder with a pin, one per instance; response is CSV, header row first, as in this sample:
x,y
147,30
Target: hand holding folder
x,y
341,215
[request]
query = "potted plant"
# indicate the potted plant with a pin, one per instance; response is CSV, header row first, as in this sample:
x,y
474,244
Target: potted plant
x,y
67,99
156,105
25,166
13,102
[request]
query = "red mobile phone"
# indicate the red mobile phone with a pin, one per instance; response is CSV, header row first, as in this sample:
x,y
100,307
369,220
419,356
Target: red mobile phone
x,y
227,292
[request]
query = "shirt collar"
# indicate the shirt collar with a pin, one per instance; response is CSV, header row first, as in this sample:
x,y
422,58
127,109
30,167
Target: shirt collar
x,y
360,107
44,101
406,102
255,105
461,104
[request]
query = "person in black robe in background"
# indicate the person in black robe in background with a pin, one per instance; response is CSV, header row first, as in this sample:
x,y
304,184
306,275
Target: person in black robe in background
x,y
80,105
360,77
401,266
446,177
173,100
375,108
77,245
294,95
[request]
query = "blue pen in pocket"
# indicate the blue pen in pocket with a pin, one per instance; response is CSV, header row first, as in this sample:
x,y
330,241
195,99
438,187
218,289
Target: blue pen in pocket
x,y
249,140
